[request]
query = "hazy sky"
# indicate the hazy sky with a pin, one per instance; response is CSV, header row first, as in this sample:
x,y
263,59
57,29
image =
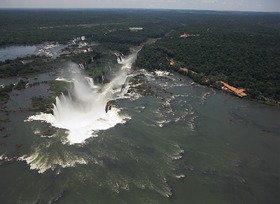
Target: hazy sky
x,y
239,5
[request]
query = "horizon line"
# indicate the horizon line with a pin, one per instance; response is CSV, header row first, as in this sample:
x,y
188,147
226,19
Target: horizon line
x,y
166,9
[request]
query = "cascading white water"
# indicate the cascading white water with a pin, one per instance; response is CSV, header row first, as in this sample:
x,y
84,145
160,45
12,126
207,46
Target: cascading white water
x,y
127,61
82,112
90,82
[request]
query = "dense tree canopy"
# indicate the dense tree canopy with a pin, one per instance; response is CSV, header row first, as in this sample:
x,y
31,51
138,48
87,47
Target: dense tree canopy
x,y
241,50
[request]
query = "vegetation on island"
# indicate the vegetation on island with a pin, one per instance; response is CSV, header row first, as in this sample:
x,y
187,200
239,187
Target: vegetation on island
x,y
24,66
58,87
5,94
44,104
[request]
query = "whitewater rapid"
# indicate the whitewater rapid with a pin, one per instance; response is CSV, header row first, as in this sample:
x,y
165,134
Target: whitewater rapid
x,y
81,112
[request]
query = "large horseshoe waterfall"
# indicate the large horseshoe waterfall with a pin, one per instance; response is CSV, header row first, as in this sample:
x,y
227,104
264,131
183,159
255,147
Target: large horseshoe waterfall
x,y
82,112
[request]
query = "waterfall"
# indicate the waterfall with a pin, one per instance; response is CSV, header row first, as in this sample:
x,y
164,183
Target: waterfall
x,y
102,78
81,66
82,111
90,82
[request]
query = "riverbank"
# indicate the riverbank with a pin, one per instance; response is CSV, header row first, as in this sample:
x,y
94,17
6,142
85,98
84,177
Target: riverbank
x,y
232,49
180,137
220,85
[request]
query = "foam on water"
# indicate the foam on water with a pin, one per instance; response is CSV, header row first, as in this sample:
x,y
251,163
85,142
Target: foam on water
x,y
42,164
163,73
82,112
78,115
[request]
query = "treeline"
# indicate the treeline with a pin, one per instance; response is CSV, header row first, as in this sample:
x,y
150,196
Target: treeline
x,y
26,66
242,49
109,28
104,26
239,49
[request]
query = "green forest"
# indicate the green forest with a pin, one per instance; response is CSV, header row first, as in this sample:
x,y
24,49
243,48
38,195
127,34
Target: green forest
x,y
242,50
108,28
103,26
239,48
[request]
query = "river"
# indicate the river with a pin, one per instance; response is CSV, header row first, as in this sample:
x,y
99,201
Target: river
x,y
13,52
185,143
20,51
